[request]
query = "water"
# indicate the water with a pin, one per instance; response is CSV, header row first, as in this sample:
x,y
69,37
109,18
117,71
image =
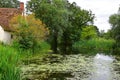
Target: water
x,y
71,67
102,68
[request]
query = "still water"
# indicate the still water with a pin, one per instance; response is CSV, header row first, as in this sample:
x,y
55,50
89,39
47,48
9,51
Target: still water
x,y
102,67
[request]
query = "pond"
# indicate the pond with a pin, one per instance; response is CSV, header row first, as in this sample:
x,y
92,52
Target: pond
x,y
72,67
102,66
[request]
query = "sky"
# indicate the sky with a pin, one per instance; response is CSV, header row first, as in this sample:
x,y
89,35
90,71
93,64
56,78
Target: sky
x,y
101,8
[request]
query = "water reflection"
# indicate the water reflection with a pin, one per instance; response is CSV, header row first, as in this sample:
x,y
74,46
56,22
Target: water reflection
x,y
102,67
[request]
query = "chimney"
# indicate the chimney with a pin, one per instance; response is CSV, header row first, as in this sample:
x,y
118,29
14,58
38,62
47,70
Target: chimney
x,y
22,6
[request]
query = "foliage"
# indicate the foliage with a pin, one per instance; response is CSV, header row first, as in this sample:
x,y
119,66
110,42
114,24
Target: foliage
x,y
9,3
28,31
88,32
64,21
78,18
44,47
31,24
98,45
106,35
8,63
114,20
53,14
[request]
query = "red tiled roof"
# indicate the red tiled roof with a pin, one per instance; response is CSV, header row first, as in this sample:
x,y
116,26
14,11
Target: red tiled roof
x,y
5,16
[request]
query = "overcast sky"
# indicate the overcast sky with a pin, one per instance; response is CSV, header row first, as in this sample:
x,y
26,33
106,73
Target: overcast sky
x,y
101,8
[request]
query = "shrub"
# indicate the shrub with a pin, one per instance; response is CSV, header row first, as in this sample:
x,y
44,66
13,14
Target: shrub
x,y
28,32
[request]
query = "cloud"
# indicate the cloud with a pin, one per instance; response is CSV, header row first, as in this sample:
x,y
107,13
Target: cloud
x,y
102,10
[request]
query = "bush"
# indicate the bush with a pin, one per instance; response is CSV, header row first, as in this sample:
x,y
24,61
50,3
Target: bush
x,y
38,47
28,32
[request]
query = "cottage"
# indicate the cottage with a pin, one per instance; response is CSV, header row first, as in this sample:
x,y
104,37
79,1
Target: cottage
x,y
5,16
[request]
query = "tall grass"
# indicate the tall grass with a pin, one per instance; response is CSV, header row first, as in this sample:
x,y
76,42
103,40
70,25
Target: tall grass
x,y
8,63
94,45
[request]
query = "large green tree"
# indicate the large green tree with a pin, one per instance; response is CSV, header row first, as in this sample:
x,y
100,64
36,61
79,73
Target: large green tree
x,y
63,19
114,20
53,14
9,3
77,19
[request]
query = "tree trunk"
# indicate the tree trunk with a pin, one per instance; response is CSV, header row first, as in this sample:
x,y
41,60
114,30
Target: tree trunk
x,y
54,44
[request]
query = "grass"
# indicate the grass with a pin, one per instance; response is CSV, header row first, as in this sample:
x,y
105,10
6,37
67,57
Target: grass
x,y
12,56
40,51
8,63
94,45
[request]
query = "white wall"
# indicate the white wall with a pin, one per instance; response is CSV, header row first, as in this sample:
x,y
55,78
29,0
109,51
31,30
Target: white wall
x,y
1,33
5,36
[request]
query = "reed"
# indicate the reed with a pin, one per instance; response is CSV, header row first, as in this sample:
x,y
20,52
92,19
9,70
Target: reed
x,y
94,45
8,63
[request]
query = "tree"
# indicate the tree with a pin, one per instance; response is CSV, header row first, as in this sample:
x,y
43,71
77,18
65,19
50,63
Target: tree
x,y
114,20
64,21
77,19
28,31
88,32
9,3
106,35
102,33
53,14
